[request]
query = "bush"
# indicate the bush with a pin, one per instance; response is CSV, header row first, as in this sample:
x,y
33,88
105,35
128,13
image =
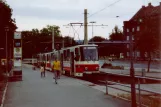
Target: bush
x,y
106,65
117,67
109,65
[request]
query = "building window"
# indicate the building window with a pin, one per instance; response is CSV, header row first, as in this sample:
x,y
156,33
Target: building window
x,y
127,30
133,29
138,54
128,46
127,37
133,37
138,28
128,54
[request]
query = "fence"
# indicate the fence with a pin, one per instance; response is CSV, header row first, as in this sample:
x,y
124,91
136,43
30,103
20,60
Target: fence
x,y
144,98
29,61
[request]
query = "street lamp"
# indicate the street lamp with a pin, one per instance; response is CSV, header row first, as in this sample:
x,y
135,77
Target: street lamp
x,y
92,28
130,25
2,50
6,30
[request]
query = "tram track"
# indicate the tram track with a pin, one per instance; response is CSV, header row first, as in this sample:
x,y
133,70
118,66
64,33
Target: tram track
x,y
125,79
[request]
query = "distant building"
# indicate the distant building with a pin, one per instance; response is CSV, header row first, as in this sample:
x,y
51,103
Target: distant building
x,y
151,17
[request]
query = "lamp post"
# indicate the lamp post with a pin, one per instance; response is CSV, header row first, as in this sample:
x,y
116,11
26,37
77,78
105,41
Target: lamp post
x,y
92,28
130,25
6,30
1,49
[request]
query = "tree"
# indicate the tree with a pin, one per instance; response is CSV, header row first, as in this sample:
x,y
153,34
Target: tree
x,y
97,39
6,21
36,41
69,41
49,28
117,35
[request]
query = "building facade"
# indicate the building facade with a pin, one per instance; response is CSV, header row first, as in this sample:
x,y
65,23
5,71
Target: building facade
x,y
147,22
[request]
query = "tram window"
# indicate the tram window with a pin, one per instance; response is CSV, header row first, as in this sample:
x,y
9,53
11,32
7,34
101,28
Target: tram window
x,y
47,57
82,54
68,55
77,55
52,56
64,53
76,51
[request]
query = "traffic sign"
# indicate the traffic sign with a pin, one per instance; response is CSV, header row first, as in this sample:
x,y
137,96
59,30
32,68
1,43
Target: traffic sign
x,y
17,35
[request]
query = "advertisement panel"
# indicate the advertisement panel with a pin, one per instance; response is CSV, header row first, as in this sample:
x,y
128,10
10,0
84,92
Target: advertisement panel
x,y
17,43
17,62
17,52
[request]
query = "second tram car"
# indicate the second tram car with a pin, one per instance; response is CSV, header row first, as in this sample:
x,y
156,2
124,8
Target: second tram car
x,y
75,60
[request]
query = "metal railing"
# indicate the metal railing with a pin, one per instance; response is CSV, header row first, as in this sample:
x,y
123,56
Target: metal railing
x,y
108,84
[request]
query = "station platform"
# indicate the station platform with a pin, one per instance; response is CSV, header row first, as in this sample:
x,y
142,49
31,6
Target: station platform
x,y
34,91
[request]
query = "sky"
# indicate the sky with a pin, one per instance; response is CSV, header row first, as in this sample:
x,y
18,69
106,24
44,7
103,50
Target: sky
x,y
30,14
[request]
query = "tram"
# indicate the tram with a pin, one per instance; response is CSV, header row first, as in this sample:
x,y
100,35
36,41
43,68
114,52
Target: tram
x,y
75,61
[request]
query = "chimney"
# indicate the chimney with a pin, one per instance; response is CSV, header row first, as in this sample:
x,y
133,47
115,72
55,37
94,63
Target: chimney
x,y
143,6
149,4
160,3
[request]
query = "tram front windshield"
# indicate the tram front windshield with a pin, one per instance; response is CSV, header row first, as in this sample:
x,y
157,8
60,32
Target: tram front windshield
x,y
90,54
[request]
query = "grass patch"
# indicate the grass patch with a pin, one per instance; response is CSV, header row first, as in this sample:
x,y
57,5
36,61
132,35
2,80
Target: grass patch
x,y
146,100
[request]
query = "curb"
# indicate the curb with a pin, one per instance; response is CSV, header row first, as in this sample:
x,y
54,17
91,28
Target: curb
x,y
4,95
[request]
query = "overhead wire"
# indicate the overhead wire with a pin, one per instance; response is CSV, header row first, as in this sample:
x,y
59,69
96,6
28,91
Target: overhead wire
x,y
104,8
97,13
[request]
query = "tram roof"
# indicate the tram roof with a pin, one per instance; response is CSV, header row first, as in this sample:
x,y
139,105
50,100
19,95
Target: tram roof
x,y
79,46
69,48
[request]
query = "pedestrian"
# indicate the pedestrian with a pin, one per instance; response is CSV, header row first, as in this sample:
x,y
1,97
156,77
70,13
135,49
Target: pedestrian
x,y
10,65
56,68
42,70
44,65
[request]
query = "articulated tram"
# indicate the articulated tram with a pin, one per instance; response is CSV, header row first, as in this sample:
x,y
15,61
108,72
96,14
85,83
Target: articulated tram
x,y
75,60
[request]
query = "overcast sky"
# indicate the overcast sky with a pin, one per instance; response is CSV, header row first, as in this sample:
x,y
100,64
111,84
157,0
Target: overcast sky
x,y
31,14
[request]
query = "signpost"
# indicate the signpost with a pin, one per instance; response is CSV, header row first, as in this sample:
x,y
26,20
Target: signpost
x,y
17,56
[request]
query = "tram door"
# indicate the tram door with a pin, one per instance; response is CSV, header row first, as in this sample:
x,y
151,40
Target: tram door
x,y
72,63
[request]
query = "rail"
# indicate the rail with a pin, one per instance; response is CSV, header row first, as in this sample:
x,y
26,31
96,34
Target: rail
x,y
108,84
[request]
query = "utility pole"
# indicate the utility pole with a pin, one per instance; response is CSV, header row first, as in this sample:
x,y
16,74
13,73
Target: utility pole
x,y
85,27
53,39
6,29
130,25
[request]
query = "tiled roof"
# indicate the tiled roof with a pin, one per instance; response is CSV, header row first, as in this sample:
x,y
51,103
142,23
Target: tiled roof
x,y
148,11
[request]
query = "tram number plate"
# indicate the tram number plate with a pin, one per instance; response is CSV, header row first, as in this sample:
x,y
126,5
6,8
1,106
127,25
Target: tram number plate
x,y
88,72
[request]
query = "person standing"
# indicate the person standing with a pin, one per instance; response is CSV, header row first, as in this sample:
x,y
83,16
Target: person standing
x,y
42,70
44,65
56,68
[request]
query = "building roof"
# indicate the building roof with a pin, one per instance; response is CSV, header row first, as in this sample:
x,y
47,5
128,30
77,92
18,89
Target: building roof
x,y
148,11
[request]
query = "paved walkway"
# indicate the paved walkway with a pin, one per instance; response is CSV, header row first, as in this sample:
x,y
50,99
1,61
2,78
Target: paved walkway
x,y
34,91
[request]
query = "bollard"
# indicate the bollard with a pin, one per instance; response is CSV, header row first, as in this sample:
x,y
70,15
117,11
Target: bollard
x,y
143,72
106,87
139,92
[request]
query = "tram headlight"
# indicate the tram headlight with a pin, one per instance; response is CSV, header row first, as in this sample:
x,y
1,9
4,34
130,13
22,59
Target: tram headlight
x,y
86,68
